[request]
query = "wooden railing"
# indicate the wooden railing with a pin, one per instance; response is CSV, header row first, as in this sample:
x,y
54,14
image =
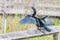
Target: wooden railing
x,y
22,35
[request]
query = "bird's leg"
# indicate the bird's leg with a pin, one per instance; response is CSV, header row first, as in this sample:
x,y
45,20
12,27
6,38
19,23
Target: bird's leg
x,y
41,29
38,28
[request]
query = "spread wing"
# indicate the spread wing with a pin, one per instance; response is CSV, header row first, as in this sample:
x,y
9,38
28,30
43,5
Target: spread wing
x,y
28,20
49,21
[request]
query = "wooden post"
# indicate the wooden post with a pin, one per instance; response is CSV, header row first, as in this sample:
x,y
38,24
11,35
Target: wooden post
x,y
55,36
4,22
4,26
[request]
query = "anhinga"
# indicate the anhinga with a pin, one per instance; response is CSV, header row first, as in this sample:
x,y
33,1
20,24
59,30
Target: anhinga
x,y
39,22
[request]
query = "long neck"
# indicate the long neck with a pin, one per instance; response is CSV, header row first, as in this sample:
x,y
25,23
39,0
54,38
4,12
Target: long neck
x,y
34,12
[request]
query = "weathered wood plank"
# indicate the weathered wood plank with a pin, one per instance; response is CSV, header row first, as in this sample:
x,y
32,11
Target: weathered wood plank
x,y
30,33
39,12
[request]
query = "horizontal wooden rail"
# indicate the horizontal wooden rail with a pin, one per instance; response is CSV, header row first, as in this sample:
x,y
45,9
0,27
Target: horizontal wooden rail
x,y
48,12
25,11
49,5
35,4
31,33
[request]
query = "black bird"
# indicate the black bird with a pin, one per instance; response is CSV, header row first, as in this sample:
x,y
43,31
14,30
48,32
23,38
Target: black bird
x,y
39,22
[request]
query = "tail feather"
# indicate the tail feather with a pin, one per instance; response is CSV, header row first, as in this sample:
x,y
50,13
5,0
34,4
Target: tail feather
x,y
47,29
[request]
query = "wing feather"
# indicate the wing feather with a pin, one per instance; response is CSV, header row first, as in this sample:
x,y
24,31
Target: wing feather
x,y
28,20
